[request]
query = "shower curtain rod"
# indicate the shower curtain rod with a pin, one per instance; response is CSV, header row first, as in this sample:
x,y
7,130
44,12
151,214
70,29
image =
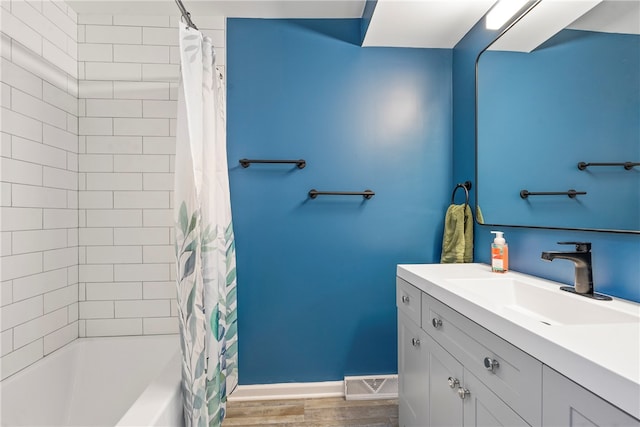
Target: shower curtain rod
x,y
186,15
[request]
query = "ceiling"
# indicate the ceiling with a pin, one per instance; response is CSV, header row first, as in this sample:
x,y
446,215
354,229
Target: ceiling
x,y
228,8
611,16
394,23
403,23
425,24
541,23
549,17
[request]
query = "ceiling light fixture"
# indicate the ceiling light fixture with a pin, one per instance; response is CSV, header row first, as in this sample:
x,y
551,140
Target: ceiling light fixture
x,y
502,11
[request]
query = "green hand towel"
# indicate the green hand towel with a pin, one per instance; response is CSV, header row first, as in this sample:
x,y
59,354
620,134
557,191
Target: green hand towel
x,y
479,216
457,241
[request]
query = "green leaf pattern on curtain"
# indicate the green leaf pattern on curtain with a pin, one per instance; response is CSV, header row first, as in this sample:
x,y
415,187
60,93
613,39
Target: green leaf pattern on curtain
x,y
205,244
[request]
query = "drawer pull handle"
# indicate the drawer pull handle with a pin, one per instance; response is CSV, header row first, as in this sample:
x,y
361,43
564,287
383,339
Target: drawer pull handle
x,y
453,382
405,299
415,342
463,393
491,364
436,322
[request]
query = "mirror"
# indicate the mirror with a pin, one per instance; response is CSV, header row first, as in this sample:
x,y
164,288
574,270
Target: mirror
x,y
575,98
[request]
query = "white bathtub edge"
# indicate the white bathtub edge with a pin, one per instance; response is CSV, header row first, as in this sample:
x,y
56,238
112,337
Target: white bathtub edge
x,y
161,402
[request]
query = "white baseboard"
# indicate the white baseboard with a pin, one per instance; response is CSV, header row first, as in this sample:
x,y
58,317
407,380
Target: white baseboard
x,y
288,391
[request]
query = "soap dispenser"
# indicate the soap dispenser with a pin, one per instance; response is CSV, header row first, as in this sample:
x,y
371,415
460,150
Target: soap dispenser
x,y
499,253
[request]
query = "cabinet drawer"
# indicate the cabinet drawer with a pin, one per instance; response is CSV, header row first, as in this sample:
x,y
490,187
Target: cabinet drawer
x,y
517,377
408,300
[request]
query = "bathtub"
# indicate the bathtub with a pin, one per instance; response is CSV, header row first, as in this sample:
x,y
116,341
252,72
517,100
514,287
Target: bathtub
x,y
120,381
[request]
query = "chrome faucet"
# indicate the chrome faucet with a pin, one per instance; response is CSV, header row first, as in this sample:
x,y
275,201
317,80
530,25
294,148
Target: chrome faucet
x,y
583,282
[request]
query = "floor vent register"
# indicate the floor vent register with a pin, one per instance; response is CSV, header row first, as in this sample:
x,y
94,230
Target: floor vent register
x,y
371,387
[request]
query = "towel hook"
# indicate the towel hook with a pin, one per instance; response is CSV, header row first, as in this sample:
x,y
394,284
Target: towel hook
x,y
466,187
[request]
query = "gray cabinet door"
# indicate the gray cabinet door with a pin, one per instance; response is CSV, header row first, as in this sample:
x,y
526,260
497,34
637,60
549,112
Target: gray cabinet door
x,y
445,377
482,408
567,404
413,385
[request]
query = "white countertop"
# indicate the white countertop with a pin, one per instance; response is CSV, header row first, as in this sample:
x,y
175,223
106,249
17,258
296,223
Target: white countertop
x,y
603,358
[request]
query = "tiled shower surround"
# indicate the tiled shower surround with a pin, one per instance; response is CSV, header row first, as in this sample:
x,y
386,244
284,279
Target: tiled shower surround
x,y
88,143
39,126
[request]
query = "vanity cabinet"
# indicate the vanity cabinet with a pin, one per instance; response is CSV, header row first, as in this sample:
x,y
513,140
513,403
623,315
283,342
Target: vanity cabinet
x,y
480,349
413,385
430,381
440,365
435,389
568,404
513,375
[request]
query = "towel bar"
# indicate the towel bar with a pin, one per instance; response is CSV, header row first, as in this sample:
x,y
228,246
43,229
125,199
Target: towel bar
x,y
300,163
367,194
627,165
571,193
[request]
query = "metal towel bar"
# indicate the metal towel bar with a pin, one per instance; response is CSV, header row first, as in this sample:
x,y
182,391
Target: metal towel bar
x,y
367,194
627,165
300,163
571,193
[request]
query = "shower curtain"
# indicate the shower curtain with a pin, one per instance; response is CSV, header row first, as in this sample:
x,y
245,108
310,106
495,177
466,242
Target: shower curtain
x,y
205,248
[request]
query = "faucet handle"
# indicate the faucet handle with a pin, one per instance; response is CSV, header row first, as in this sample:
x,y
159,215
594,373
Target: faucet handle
x,y
580,246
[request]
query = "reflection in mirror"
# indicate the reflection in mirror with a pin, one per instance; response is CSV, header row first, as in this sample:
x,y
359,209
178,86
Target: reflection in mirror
x,y
574,98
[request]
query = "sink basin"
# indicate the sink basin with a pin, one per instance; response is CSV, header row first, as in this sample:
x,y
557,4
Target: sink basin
x,y
543,302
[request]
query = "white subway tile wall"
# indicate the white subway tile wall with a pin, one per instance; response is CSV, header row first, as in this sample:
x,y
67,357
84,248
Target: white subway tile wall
x,y
39,164
129,69
87,154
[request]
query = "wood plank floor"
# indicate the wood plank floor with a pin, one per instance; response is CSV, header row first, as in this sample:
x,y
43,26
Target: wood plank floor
x,y
325,412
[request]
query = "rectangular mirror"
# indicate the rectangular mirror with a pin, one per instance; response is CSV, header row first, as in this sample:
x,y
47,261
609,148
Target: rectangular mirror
x,y
574,98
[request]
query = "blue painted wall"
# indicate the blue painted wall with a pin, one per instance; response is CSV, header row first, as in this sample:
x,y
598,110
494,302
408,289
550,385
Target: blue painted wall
x,y
316,278
576,98
615,256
